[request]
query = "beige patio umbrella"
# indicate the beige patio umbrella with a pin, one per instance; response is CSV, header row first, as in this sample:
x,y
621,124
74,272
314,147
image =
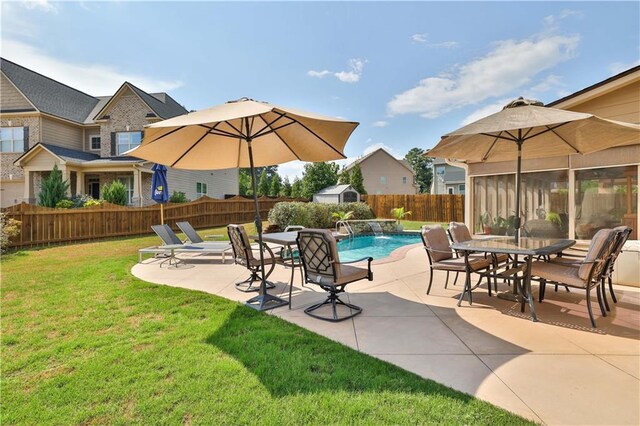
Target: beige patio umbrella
x,y
245,133
526,129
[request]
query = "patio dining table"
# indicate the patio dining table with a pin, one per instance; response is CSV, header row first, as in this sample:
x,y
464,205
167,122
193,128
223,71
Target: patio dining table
x,y
527,247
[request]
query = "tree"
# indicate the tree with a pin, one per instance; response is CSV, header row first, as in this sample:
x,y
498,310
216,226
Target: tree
x,y
344,178
263,184
357,181
317,176
244,182
285,190
53,188
422,166
296,188
116,193
275,186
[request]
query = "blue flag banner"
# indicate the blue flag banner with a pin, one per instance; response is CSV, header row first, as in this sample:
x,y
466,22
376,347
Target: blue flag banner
x,y
159,188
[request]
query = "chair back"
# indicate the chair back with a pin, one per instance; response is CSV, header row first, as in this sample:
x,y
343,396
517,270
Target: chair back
x,y
459,232
191,233
599,251
319,254
436,242
622,235
240,244
166,234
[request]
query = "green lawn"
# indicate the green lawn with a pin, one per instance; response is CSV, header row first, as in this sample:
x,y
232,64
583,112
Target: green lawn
x,y
84,342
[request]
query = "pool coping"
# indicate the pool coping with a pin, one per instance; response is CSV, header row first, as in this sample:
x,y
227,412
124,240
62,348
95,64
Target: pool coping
x,y
399,253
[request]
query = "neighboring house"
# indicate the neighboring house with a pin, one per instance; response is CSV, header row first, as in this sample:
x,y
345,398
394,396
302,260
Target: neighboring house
x,y
382,173
447,179
586,192
46,123
337,194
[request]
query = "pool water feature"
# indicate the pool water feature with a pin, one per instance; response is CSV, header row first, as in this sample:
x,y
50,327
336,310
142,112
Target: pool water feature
x,y
377,247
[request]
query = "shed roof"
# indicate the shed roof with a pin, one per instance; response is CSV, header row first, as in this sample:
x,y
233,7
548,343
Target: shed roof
x,y
335,190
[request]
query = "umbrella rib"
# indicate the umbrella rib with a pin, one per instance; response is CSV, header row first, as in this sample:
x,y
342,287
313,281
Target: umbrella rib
x,y
190,148
166,134
316,135
564,140
486,154
272,130
218,132
283,141
548,129
268,125
498,136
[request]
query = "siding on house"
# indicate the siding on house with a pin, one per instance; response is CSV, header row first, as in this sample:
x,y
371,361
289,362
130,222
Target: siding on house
x,y
219,182
11,193
11,98
382,174
88,132
62,134
620,105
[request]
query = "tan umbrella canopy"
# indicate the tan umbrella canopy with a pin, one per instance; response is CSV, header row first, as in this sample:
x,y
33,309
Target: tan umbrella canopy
x,y
526,129
245,133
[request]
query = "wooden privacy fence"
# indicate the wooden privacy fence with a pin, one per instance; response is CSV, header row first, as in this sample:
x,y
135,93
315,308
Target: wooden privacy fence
x,y
423,207
43,225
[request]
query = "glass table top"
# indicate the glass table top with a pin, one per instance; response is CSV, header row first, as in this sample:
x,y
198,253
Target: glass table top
x,y
525,246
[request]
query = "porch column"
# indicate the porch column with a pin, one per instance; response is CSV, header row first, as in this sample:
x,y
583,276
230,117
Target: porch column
x,y
66,175
137,184
27,186
572,203
80,183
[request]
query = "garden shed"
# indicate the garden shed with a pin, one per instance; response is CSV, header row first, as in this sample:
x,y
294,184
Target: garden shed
x,y
337,194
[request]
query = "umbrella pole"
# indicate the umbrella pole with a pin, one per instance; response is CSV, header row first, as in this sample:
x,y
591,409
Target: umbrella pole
x,y
161,214
263,301
518,173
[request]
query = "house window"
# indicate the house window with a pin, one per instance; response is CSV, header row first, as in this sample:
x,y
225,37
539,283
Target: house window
x,y
94,143
461,189
12,139
605,198
440,170
201,189
404,180
127,181
127,140
450,190
383,180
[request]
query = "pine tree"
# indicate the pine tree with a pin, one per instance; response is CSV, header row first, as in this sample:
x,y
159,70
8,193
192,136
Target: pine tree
x,y
357,181
53,188
296,188
344,178
285,191
276,185
263,184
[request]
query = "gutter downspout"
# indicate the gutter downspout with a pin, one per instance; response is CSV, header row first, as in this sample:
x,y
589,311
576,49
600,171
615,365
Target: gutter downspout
x,y
468,194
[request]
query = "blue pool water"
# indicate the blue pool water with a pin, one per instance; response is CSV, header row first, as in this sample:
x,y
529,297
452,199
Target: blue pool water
x,y
372,246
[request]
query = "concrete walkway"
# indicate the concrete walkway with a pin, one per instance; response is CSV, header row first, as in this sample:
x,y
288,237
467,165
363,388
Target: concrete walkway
x,y
556,371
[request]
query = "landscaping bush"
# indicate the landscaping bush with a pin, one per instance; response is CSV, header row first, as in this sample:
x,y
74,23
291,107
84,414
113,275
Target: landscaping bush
x,y
92,202
116,193
9,228
53,189
65,204
314,215
84,201
178,197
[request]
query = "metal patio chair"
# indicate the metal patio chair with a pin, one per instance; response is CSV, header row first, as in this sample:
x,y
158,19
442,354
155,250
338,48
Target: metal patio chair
x,y
243,254
322,267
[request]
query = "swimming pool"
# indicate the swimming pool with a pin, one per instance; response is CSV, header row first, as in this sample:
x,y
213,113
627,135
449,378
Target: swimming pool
x,y
372,246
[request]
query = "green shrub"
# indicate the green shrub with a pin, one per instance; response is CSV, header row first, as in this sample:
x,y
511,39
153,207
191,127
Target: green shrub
x,y
178,197
9,228
554,218
116,193
315,215
92,202
65,204
53,189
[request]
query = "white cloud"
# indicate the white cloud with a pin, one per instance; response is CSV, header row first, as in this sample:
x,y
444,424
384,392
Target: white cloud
x,y
618,67
352,75
318,74
42,5
510,65
291,169
419,38
423,39
380,123
551,82
95,79
485,111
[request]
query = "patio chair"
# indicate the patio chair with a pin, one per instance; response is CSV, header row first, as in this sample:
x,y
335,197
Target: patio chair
x,y
585,274
441,257
459,233
621,237
169,238
190,232
322,267
243,254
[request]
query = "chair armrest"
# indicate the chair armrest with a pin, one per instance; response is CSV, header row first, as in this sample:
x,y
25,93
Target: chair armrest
x,y
582,262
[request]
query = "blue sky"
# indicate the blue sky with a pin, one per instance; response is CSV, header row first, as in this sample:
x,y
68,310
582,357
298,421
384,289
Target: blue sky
x,y
408,72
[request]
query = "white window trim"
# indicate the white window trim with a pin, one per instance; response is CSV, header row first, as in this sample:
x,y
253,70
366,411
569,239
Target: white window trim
x,y
91,137
13,141
129,144
206,189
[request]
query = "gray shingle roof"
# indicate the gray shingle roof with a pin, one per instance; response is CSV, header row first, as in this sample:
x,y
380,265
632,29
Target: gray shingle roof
x,y
76,156
47,95
333,190
167,109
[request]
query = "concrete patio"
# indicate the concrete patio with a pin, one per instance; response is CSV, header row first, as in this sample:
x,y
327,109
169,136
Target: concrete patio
x,y
556,371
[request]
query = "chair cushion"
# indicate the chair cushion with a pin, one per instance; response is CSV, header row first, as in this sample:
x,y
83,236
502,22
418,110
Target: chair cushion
x,y
565,274
457,264
348,273
435,240
255,261
459,232
597,244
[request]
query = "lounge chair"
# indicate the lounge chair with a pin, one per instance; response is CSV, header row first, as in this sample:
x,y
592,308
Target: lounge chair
x,y
322,267
169,238
190,232
441,258
243,254
586,274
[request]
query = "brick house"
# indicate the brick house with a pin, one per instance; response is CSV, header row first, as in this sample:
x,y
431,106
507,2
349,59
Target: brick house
x,y
382,173
44,122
